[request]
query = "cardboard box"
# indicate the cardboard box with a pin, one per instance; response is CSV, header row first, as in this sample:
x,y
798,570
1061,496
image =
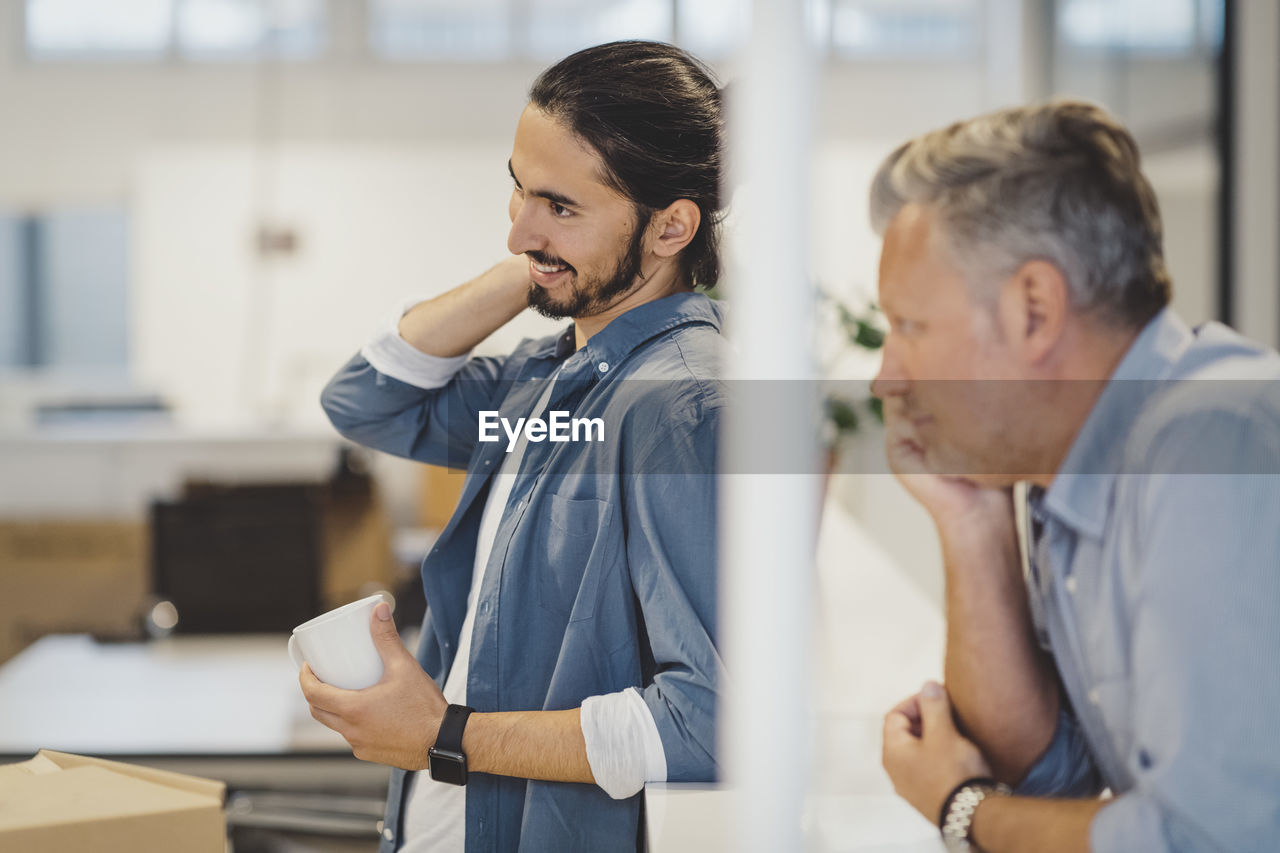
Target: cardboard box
x,y
62,803
70,577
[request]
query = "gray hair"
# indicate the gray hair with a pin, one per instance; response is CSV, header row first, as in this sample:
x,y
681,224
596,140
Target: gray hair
x,y
1059,182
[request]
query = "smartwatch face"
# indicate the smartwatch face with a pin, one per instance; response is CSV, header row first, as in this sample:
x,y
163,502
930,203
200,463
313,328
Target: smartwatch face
x,y
446,766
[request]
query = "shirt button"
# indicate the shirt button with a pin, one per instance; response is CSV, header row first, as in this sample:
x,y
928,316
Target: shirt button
x,y
388,834
604,367
1071,584
1094,697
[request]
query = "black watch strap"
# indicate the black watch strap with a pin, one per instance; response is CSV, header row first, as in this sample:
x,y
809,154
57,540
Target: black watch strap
x,y
452,726
446,759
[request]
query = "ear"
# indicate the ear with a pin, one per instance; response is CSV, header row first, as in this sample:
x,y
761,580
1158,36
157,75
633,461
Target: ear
x,y
673,227
1034,308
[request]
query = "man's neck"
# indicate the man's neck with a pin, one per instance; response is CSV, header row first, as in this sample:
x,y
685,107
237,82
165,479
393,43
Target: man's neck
x,y
1077,384
649,291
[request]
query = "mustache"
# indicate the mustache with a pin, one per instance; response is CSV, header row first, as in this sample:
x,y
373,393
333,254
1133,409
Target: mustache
x,y
549,260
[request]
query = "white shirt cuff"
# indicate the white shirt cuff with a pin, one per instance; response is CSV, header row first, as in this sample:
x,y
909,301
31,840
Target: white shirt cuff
x,y
624,748
391,355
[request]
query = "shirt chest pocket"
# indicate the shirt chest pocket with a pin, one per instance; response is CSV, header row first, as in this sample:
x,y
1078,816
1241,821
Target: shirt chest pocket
x,y
579,545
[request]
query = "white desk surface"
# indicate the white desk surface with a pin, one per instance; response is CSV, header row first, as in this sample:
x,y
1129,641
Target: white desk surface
x,y
851,809
692,818
235,695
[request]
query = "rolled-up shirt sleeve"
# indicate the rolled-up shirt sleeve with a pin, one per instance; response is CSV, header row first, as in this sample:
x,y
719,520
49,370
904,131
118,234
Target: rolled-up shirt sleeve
x,y
395,398
624,748
391,355
1206,640
1065,768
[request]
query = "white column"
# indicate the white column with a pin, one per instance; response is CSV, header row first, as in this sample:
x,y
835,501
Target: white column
x,y
1257,171
769,520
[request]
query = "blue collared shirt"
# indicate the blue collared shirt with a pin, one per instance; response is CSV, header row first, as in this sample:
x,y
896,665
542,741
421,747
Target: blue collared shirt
x,y
1154,578
602,574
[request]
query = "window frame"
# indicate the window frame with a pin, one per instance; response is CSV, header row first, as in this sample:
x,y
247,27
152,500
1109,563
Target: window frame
x,y
173,53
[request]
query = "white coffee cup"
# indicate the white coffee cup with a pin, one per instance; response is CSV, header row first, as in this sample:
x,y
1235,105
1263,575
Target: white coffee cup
x,y
339,646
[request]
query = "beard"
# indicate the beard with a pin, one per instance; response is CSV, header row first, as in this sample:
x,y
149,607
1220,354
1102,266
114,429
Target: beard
x,y
590,296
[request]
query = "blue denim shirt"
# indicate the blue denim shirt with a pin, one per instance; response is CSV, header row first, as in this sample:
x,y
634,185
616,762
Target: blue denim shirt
x,y
602,574
1155,583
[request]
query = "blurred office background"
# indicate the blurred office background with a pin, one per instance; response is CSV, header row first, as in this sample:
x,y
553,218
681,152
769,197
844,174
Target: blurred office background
x,y
206,206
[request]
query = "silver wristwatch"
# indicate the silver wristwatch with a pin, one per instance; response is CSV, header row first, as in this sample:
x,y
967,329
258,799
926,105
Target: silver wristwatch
x,y
957,822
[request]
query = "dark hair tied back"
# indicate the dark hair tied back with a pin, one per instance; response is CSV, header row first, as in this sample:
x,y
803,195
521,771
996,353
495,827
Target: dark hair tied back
x,y
653,114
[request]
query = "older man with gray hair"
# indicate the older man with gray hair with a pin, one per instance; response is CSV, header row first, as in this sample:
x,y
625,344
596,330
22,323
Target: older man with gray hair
x,y
1135,647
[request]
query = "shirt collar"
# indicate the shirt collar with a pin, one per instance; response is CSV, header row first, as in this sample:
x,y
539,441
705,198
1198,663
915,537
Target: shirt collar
x,y
556,347
627,331
1080,493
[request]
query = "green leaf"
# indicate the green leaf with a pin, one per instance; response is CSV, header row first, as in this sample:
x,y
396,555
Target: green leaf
x,y
842,414
876,405
868,336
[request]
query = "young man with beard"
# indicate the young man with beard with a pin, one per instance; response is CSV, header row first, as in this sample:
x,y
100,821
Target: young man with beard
x,y
572,595
1031,340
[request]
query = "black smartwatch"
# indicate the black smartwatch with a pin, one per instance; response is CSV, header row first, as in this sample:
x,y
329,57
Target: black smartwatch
x,y
446,759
